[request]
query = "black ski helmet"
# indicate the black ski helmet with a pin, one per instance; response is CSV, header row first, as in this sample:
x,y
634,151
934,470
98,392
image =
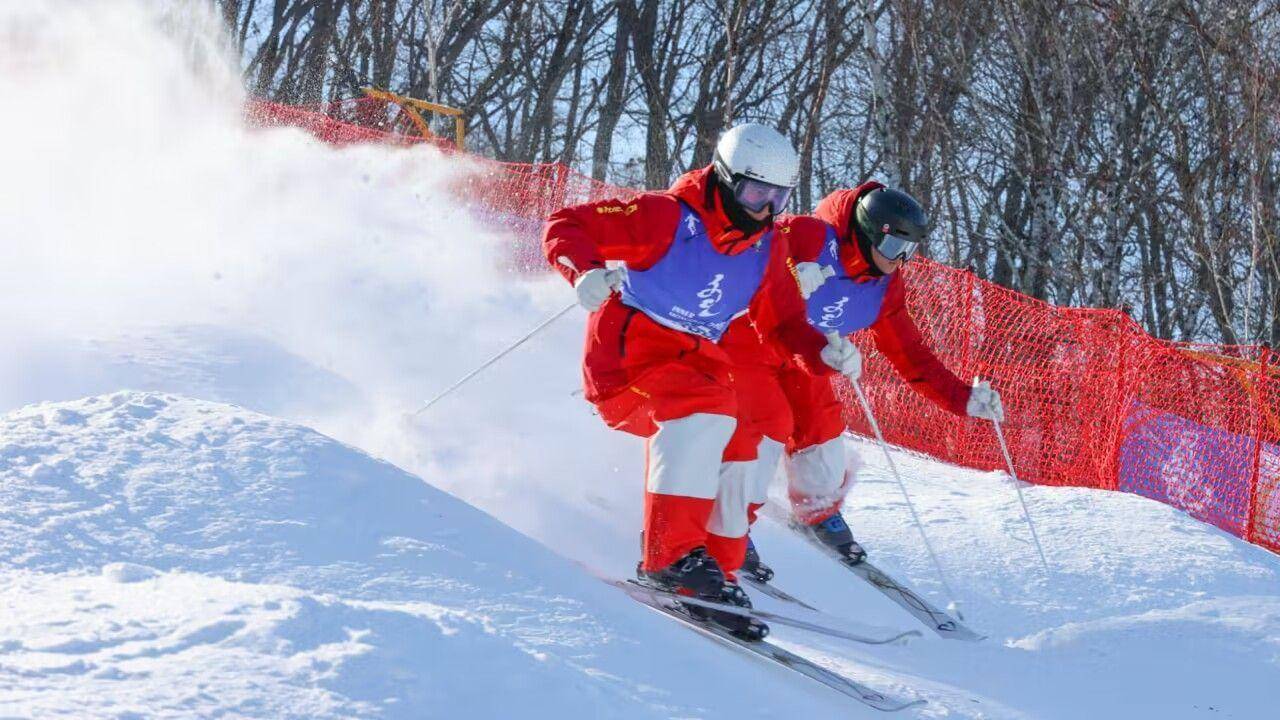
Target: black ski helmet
x,y
888,211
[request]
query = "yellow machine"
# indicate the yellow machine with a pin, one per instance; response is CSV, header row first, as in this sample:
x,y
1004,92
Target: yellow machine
x,y
413,107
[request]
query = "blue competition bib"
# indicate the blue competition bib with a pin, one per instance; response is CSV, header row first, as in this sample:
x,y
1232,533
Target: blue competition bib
x,y
694,288
843,304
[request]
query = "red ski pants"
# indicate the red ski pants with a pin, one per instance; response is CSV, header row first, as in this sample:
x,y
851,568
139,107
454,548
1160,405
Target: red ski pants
x,y
679,392
798,412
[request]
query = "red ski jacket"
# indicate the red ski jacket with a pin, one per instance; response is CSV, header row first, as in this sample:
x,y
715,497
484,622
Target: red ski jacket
x,y
748,347
639,232
895,332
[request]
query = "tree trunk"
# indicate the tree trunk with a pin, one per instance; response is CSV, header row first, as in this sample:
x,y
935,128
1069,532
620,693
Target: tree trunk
x,y
615,90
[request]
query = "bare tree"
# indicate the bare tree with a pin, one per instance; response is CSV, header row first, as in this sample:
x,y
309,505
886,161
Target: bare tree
x,y
1118,153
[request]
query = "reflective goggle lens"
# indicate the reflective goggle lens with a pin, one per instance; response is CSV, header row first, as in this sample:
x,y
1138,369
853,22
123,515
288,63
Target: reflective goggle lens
x,y
896,247
755,195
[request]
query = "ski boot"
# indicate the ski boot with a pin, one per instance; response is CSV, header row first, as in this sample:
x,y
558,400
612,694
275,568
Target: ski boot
x,y
753,566
697,574
834,532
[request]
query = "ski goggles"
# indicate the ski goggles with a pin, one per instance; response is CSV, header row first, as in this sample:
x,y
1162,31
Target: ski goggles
x,y
756,195
896,247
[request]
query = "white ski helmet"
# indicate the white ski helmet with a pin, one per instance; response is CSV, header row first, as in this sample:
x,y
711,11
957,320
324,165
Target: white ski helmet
x,y
758,152
750,154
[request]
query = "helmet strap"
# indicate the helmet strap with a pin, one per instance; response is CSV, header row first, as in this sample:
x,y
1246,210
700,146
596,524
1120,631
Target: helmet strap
x,y
863,241
863,238
737,214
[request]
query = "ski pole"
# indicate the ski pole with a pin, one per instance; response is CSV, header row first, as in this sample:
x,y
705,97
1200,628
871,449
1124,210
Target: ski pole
x,y
461,381
1017,484
884,446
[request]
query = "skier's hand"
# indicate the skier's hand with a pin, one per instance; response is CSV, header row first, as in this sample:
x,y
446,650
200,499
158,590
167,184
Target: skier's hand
x,y
984,402
843,356
810,276
595,286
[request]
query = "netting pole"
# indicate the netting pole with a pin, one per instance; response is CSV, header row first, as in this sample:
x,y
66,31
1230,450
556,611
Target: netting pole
x,y
562,184
970,285
957,430
461,381
915,516
1255,479
1017,484
1125,340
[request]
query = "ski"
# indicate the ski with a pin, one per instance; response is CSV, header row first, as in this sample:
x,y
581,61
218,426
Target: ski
x,y
667,604
774,592
934,618
634,588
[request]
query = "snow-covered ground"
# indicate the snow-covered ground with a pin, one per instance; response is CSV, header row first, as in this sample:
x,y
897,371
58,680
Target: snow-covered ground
x,y
164,556
184,299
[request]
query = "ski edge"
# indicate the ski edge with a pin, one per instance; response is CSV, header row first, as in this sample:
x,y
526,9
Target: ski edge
x,y
767,616
775,592
940,621
763,649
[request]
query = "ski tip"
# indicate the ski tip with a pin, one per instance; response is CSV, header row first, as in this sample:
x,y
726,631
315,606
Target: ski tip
x,y
952,630
889,704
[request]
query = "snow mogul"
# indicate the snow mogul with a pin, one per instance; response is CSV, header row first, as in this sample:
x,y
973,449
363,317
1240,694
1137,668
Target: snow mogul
x,y
694,261
846,261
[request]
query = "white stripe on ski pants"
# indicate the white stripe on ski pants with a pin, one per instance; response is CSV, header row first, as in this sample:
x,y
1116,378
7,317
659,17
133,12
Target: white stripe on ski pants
x,y
684,455
819,476
742,484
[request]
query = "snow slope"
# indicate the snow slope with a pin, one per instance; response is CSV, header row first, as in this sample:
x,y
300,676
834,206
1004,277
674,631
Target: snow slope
x,y
164,556
185,297
173,557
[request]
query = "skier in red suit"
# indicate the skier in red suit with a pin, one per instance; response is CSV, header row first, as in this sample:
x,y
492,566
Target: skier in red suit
x,y
695,259
846,261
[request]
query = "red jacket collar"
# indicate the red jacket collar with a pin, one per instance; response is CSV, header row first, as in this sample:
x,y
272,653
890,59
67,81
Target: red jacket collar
x,y
837,210
697,189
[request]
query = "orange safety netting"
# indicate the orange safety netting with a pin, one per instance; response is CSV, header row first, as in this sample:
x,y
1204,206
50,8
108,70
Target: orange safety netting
x,y
345,122
1091,400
